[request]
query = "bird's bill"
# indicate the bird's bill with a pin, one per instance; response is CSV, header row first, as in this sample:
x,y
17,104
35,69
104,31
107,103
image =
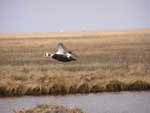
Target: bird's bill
x,y
74,55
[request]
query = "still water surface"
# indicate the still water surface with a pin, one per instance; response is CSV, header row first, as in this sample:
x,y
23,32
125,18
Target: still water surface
x,y
124,102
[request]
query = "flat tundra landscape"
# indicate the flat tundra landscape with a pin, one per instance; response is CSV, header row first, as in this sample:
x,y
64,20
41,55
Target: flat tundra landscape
x,y
107,61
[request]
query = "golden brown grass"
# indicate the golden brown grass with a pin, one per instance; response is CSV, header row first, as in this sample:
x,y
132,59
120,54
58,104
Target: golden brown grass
x,y
50,109
108,61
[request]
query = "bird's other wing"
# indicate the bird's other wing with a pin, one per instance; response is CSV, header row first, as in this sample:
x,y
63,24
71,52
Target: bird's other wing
x,y
61,49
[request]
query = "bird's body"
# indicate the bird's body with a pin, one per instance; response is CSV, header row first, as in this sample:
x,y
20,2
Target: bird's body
x,y
62,54
62,58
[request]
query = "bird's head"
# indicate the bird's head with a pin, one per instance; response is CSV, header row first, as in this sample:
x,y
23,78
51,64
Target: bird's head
x,y
47,54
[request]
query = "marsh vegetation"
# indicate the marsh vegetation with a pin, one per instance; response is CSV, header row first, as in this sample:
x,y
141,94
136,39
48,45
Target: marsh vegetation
x,y
50,109
107,61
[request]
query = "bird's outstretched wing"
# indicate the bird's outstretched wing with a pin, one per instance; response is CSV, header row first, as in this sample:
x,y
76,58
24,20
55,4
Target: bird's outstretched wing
x,y
61,49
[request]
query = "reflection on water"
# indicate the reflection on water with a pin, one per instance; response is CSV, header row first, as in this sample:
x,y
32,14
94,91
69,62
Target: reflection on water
x,y
124,102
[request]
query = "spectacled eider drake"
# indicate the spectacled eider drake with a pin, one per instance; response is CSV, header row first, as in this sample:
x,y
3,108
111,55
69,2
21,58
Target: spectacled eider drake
x,y
62,54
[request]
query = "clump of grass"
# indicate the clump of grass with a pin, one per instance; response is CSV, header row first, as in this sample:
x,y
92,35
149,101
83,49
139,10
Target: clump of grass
x,y
116,85
73,89
3,91
19,89
33,89
9,88
50,109
45,90
58,89
83,87
139,85
97,87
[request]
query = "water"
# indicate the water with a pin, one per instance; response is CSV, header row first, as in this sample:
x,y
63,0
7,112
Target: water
x,y
124,102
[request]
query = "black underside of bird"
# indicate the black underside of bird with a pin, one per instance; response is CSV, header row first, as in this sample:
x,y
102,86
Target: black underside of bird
x,y
63,58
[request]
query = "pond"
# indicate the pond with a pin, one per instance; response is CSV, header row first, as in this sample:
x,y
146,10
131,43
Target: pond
x,y
122,102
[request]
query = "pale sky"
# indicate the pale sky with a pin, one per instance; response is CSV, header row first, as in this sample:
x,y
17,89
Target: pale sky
x,y
73,15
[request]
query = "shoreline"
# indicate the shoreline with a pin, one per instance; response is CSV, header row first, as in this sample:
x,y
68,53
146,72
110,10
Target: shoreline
x,y
82,87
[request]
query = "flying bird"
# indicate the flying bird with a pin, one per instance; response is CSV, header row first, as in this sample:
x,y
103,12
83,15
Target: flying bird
x,y
62,54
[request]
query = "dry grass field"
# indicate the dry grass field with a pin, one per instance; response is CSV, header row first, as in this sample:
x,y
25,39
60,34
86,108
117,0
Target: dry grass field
x,y
107,61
